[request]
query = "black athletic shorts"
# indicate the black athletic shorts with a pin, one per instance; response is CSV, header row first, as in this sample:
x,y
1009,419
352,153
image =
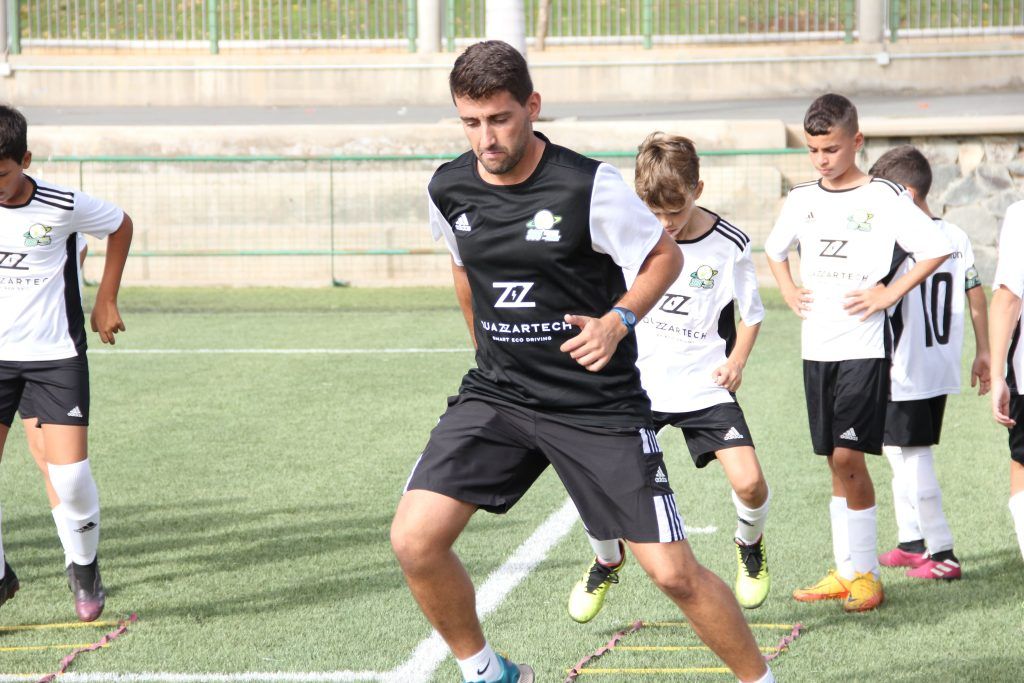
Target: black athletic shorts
x,y
846,402
489,453
708,430
53,391
1017,432
914,423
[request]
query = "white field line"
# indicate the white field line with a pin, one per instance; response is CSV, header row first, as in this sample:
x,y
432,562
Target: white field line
x,y
286,352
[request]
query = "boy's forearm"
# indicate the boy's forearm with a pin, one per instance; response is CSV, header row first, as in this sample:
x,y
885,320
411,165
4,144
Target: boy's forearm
x,y
915,276
659,270
1002,319
119,243
979,318
746,335
782,273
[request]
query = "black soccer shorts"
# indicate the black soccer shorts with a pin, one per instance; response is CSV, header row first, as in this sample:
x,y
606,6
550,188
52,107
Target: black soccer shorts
x,y
914,423
707,430
846,403
1017,431
488,453
53,391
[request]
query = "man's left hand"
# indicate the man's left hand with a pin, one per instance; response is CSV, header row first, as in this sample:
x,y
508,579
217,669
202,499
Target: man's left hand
x,y
594,346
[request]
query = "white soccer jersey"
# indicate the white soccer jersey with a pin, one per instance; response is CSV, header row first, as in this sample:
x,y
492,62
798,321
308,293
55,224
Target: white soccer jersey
x,y
691,330
1010,274
928,325
40,305
847,241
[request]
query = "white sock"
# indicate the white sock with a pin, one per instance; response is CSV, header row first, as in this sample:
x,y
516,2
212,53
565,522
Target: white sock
x,y
483,666
79,509
62,533
863,540
926,497
750,521
608,553
1016,509
767,678
906,515
840,537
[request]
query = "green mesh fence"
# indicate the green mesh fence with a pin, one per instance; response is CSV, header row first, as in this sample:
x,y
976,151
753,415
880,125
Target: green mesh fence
x,y
313,221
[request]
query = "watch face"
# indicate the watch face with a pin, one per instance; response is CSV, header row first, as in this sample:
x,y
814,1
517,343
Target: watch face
x,y
631,317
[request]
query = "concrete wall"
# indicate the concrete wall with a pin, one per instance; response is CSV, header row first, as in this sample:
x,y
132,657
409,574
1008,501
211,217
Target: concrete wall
x,y
617,73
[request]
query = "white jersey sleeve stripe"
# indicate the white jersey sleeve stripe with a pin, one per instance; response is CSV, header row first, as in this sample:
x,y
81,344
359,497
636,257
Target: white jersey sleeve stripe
x,y
730,228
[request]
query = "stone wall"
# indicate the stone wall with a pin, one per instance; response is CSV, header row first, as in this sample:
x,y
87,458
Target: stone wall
x,y
974,179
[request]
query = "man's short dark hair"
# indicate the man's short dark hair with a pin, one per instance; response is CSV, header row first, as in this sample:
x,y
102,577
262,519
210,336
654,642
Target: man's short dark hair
x,y
13,134
487,68
907,166
831,111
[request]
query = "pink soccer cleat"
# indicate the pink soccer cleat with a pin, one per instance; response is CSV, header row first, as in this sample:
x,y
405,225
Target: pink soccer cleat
x,y
947,570
901,558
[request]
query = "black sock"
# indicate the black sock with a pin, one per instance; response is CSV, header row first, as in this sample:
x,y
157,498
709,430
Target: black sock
x,y
916,547
944,555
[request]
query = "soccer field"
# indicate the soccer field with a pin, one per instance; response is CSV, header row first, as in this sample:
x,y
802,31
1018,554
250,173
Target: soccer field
x,y
250,447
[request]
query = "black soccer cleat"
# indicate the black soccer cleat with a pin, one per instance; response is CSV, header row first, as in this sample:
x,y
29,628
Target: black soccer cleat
x,y
86,586
9,584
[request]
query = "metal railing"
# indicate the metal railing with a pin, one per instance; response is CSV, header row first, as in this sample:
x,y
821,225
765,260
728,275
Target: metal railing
x,y
947,18
245,220
393,23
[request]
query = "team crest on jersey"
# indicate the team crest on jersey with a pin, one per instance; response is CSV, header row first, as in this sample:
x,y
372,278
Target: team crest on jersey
x,y
541,228
703,277
38,235
860,220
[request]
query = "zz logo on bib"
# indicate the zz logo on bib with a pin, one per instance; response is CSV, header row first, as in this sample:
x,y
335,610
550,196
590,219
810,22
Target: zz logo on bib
x,y
514,295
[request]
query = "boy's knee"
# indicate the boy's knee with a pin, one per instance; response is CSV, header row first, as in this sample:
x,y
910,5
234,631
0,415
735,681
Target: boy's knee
x,y
752,491
680,583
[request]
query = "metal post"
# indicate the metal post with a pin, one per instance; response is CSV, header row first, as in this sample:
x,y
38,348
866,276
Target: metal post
x,y
13,42
212,21
647,23
410,23
894,20
849,9
871,21
428,25
449,29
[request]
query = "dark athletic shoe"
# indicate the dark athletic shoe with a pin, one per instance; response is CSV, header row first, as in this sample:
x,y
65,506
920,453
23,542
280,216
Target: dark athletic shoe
x,y
9,584
86,586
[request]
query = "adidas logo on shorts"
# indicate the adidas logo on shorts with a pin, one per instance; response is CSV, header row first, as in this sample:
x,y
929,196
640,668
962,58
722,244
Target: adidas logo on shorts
x,y
462,223
660,478
849,435
733,433
75,412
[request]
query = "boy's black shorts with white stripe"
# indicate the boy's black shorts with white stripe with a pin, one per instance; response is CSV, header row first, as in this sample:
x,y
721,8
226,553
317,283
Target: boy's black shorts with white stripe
x,y
53,391
914,423
846,403
707,430
1017,431
488,453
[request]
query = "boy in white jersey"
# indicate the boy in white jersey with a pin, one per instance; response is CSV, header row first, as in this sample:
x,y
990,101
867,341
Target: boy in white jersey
x,y
691,359
1004,330
928,332
42,341
847,227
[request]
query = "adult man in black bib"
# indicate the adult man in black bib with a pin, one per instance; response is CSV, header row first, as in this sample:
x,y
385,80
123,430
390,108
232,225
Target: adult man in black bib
x,y
538,237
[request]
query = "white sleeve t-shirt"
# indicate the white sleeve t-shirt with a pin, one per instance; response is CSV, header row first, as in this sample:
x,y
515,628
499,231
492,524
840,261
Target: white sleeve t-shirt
x,y
39,317
848,241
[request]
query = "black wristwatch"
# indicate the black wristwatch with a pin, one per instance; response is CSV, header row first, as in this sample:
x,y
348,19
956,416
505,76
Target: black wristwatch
x,y
627,316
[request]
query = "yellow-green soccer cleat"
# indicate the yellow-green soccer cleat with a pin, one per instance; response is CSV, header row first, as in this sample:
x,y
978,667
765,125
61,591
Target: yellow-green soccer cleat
x,y
752,580
587,596
865,593
831,587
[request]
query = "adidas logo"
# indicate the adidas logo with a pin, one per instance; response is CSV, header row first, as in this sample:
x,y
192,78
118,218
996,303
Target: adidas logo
x,y
810,217
733,433
75,412
945,567
849,435
88,527
660,478
462,223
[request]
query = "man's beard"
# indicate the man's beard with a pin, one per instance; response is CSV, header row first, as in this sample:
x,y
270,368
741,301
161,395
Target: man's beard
x,y
510,161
